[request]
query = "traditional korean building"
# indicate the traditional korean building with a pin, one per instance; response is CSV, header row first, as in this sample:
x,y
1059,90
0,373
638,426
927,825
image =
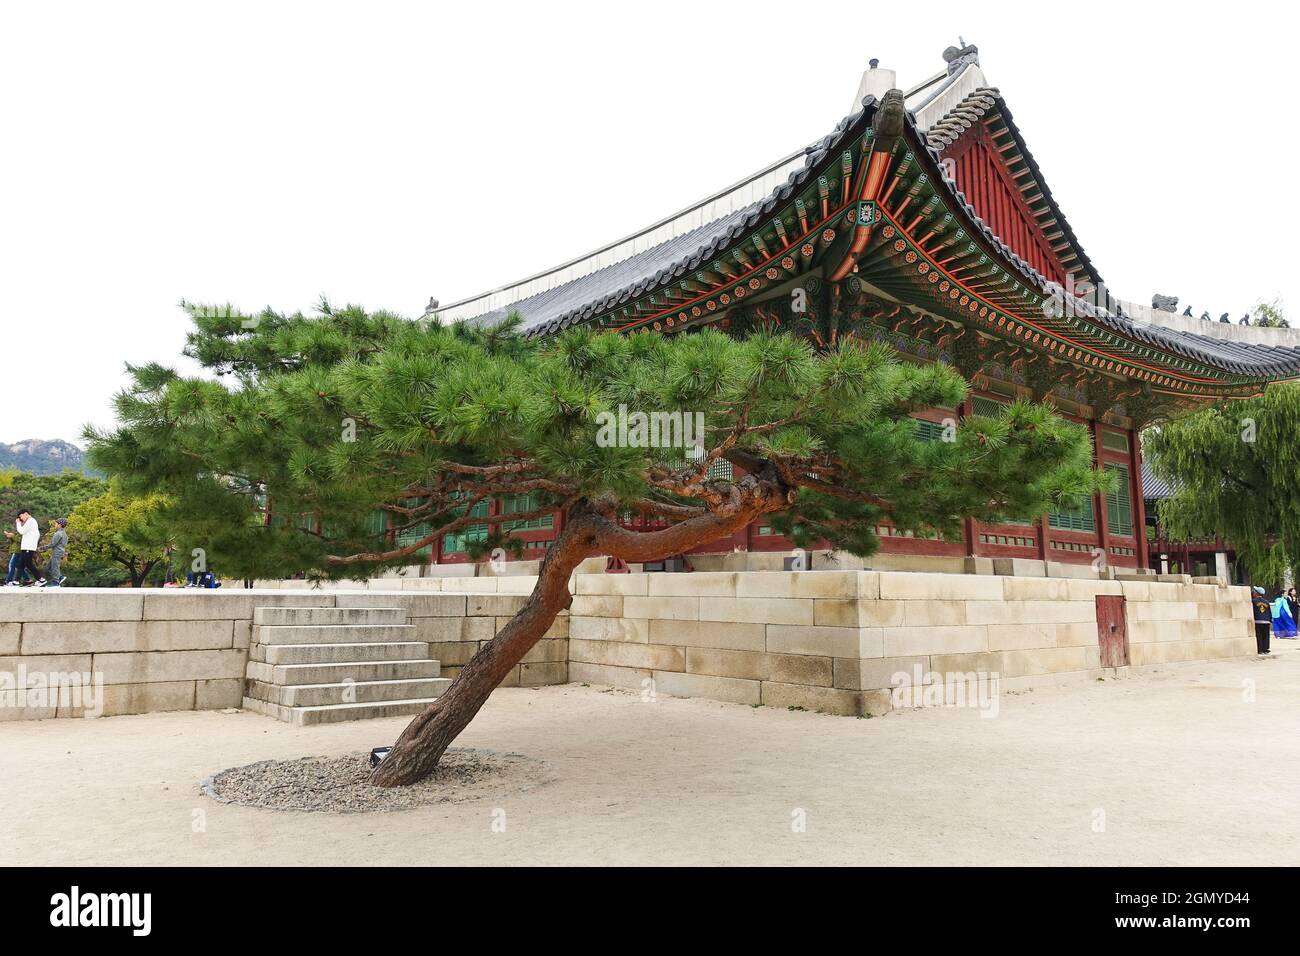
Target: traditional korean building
x,y
921,220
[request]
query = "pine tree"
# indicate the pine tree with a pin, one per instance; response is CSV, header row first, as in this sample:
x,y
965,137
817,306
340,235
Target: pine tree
x,y
311,424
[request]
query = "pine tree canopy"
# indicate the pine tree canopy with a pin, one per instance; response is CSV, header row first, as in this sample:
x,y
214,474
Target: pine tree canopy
x,y
277,459
1235,472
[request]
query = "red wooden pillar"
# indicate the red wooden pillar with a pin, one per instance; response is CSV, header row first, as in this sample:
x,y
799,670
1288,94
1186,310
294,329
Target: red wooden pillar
x,y
1135,466
970,530
1103,519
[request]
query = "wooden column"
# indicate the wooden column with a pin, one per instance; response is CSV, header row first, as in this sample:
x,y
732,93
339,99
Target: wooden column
x,y
1103,520
1140,505
970,530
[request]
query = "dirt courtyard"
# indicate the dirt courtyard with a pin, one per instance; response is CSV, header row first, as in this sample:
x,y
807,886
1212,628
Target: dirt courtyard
x,y
1177,767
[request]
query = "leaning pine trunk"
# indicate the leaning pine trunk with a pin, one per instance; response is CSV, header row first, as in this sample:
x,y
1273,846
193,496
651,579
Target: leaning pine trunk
x,y
427,737
586,533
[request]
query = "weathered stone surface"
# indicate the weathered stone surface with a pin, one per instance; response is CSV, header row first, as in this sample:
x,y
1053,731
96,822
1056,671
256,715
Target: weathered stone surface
x,y
663,607
597,605
827,700
495,605
730,689
757,610
618,654
543,673
415,604
191,604
734,636
9,638
628,678
820,641
121,636
633,630
883,672
218,694
699,583
444,630
898,585
155,667
613,584
911,641
72,604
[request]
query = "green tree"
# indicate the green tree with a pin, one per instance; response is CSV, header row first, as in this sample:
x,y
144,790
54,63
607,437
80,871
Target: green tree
x,y
1236,473
323,420
1269,315
122,530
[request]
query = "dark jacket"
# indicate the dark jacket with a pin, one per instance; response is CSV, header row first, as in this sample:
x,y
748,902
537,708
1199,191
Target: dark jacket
x,y
1263,608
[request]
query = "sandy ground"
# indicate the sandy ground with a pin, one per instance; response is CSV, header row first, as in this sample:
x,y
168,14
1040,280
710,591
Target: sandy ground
x,y
1183,767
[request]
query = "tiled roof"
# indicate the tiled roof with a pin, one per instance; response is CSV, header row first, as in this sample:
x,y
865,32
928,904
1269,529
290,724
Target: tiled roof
x,y
1153,488
600,291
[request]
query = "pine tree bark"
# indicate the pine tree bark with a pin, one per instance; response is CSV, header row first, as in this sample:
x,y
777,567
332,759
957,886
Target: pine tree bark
x,y
590,530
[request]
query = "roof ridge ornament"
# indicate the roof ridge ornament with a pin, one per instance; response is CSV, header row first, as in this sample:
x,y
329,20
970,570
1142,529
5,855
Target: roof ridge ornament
x,y
958,57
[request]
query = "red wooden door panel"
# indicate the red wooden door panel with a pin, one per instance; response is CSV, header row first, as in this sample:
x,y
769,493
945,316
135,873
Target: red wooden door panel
x,y
1112,631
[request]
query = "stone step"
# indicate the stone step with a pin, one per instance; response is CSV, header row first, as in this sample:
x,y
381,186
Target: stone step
x,y
334,713
334,673
339,653
328,615
332,633
361,692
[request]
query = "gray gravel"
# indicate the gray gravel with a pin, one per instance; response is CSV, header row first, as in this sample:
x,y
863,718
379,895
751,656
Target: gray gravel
x,y
338,784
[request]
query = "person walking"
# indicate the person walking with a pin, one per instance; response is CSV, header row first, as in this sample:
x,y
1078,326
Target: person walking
x,y
1263,609
1293,603
29,537
58,547
14,575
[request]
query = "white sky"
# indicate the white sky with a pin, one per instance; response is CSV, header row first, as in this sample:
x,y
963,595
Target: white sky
x,y
381,153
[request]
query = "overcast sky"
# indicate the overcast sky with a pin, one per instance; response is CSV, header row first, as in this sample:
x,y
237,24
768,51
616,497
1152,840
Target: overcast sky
x,y
382,153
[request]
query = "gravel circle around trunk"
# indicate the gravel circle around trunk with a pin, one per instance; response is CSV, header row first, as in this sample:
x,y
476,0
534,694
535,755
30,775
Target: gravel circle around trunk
x,y
338,784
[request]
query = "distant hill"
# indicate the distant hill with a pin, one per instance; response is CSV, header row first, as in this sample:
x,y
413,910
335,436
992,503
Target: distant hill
x,y
42,457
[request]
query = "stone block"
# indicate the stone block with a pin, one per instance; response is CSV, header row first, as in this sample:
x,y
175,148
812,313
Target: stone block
x,y
90,637
818,641
731,689
597,605
751,665
721,634
218,694
757,610
613,584
71,604
452,653
904,586
1031,612
433,604
443,630
160,667
826,700
543,673
657,657
121,699
663,607
189,604
494,605
632,630
1024,636
1020,567
9,639
882,672
913,641
628,678
934,613
696,584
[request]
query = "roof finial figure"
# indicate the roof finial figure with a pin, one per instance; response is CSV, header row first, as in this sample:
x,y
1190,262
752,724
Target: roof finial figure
x,y
957,57
873,63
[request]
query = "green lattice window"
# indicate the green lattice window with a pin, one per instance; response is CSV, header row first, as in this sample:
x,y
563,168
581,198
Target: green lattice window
x,y
1074,519
1119,503
928,431
413,534
515,504
458,540
987,407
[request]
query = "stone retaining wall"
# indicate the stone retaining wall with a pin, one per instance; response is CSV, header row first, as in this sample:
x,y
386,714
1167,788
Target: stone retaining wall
x,y
832,641
176,649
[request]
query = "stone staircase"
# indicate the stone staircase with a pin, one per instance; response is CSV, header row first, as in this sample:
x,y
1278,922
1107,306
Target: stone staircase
x,y
315,665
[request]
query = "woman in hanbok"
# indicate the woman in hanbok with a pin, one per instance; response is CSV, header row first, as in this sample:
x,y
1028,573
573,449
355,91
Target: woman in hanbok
x,y
1284,625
